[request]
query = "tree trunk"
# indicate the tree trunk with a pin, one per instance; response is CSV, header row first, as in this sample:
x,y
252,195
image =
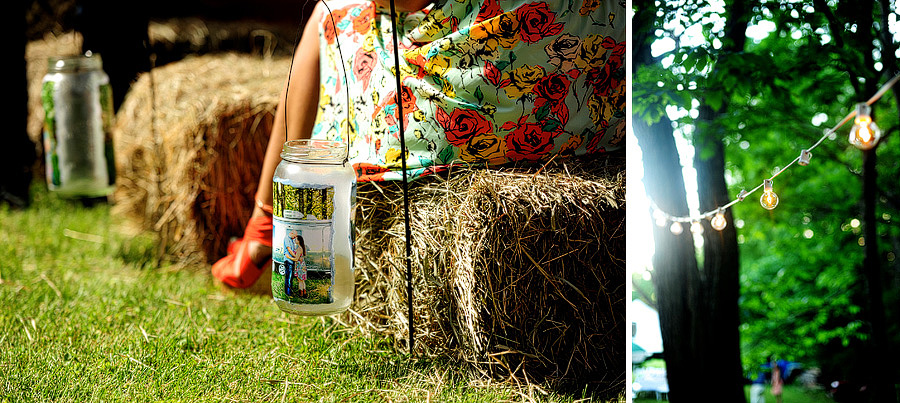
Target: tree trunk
x,y
882,388
721,264
675,273
698,309
720,274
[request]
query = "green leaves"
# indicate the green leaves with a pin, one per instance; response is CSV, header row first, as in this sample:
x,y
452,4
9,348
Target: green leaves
x,y
802,291
714,99
695,60
650,98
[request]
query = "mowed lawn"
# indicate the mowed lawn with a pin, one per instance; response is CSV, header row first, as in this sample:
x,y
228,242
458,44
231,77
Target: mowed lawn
x,y
88,313
792,394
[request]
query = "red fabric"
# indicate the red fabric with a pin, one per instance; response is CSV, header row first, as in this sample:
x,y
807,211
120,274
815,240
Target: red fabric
x,y
237,269
259,229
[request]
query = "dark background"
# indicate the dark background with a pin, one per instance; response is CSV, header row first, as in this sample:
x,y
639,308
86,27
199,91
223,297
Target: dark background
x,y
119,32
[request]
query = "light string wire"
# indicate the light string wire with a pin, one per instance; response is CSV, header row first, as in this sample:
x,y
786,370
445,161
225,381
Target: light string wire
x,y
743,194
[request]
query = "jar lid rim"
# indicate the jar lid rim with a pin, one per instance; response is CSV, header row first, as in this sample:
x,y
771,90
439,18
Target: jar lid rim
x,y
75,62
314,150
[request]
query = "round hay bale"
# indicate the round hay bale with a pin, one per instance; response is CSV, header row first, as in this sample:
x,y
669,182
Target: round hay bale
x,y
173,38
518,272
190,139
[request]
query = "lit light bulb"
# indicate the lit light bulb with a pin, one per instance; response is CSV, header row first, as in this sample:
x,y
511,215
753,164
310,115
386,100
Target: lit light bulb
x,y
718,221
676,228
865,133
660,218
768,199
696,228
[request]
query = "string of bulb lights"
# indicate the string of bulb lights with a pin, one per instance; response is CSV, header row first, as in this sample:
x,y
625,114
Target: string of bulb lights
x,y
864,135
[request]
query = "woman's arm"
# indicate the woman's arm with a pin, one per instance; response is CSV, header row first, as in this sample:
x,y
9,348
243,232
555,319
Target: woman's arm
x,y
300,104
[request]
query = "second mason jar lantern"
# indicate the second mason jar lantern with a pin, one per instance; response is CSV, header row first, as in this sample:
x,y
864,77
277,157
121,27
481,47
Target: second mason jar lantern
x,y
314,201
78,114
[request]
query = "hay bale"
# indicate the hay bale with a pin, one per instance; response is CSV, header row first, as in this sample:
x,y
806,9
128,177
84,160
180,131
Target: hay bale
x,y
520,272
190,139
174,38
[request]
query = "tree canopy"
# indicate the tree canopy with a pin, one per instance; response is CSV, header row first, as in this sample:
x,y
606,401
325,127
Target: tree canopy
x,y
801,70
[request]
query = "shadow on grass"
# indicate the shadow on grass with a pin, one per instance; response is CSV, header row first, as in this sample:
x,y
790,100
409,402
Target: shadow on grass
x,y
386,367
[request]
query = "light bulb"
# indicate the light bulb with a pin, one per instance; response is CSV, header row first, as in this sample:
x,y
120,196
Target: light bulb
x,y
865,133
768,199
718,222
676,228
696,228
660,218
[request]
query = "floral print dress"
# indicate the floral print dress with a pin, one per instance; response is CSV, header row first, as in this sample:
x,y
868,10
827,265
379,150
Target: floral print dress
x,y
487,82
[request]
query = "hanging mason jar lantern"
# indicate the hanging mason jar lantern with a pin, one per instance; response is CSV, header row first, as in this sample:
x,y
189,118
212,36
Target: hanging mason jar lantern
x,y
314,201
78,113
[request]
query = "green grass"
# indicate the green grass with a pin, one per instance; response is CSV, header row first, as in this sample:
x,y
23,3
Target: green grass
x,y
795,394
654,363
792,394
87,315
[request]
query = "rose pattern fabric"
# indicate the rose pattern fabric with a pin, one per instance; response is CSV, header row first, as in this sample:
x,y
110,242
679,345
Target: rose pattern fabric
x,y
488,82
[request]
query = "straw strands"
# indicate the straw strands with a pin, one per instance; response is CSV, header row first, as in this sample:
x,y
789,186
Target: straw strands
x,y
519,273
177,37
190,139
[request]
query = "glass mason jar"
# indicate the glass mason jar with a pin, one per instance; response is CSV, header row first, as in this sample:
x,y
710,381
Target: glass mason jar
x,y
78,113
313,207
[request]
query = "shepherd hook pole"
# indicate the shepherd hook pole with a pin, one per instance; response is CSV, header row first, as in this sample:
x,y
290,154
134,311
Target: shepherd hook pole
x,y
409,279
